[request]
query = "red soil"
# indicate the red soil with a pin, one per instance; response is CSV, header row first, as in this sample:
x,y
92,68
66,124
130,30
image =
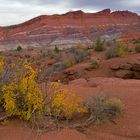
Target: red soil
x,y
127,126
104,66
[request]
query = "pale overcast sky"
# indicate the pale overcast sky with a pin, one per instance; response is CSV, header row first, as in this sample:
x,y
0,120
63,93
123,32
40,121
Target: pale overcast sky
x,y
18,11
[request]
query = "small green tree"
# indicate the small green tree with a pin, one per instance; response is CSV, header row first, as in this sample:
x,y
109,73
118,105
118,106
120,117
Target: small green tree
x,y
99,46
19,48
56,49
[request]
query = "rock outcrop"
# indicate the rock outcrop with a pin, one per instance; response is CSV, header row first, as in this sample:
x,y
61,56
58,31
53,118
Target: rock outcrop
x,y
129,70
69,29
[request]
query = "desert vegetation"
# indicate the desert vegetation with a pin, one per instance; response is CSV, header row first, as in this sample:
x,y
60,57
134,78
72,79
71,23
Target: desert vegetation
x,y
103,108
69,76
137,45
21,96
34,85
99,45
119,49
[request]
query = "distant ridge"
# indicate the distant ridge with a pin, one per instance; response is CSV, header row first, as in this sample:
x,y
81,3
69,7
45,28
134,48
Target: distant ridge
x,y
69,28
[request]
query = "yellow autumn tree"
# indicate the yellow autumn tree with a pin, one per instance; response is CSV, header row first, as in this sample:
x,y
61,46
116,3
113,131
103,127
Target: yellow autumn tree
x,y
1,70
23,98
1,65
122,49
63,102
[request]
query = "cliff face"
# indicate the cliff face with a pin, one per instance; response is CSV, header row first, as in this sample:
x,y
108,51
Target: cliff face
x,y
69,29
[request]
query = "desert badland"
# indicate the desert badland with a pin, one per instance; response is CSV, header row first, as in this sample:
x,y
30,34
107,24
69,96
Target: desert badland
x,y
71,76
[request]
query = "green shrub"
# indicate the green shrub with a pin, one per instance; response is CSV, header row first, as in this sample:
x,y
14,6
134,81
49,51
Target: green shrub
x,y
111,52
103,108
137,48
81,55
57,67
99,46
94,63
56,49
70,63
119,49
19,48
50,53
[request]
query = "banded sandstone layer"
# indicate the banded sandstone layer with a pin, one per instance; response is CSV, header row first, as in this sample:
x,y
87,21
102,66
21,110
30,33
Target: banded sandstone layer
x,y
69,29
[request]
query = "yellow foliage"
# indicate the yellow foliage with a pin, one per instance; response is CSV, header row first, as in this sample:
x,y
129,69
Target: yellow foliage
x,y
115,103
70,63
23,98
64,103
121,52
79,46
1,65
9,97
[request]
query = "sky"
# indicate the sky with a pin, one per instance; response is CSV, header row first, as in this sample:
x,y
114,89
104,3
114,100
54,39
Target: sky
x,y
17,11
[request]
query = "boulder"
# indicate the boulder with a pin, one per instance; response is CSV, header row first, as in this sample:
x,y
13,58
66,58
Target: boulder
x,y
125,74
137,75
91,67
115,67
126,66
136,67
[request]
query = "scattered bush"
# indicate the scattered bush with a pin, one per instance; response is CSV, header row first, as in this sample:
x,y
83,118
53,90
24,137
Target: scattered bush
x,y
93,62
79,55
103,108
58,67
99,46
70,63
21,96
19,48
56,49
111,52
118,50
50,53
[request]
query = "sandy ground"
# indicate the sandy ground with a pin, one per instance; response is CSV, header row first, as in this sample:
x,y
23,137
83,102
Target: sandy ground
x,y
127,126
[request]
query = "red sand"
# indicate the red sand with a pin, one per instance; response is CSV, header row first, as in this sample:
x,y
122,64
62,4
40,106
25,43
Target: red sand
x,y
127,126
